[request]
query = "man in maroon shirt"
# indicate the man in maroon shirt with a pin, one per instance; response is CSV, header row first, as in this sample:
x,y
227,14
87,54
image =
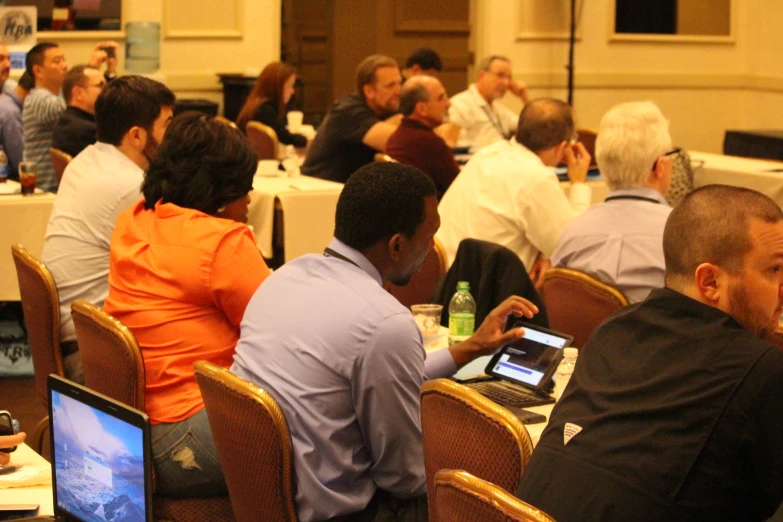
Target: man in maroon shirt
x,y
423,103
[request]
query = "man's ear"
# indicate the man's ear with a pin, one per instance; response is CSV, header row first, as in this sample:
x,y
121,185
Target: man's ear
x,y
394,247
137,136
367,89
709,282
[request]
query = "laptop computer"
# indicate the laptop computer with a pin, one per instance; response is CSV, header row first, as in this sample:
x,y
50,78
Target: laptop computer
x,y
520,374
101,456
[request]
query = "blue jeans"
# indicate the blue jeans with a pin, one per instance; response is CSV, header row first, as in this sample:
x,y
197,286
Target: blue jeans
x,y
185,458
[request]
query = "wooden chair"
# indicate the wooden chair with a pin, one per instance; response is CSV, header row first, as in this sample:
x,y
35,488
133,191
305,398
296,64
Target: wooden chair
x,y
577,302
226,121
380,157
462,429
60,160
113,365
253,443
264,140
461,497
422,285
41,306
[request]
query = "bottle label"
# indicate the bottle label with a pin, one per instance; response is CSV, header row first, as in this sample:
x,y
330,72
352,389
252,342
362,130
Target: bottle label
x,y
3,170
461,324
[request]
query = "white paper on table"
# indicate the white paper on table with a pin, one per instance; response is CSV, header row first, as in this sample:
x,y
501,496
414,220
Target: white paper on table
x,y
27,475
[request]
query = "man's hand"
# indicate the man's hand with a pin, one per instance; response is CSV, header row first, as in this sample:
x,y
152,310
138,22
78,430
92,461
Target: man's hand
x,y
9,441
540,266
490,336
519,89
578,160
100,56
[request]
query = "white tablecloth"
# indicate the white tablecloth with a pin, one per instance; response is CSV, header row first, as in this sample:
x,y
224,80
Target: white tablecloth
x,y
23,220
762,175
41,495
308,206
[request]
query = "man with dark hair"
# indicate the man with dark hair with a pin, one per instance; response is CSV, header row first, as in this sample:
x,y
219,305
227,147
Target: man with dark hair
x,y
76,128
508,193
11,103
675,410
357,125
422,61
475,110
423,104
348,377
46,63
131,113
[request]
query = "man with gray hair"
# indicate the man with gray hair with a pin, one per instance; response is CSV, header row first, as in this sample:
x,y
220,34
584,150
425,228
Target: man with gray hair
x,y
475,110
620,241
423,103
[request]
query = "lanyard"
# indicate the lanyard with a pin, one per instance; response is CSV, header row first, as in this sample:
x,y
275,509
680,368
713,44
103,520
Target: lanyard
x,y
328,252
639,198
495,123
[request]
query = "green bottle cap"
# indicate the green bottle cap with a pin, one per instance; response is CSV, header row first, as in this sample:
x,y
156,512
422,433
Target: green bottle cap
x,y
463,286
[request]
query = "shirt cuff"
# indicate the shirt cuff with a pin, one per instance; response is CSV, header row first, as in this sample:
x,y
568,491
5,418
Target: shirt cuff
x,y
439,364
580,195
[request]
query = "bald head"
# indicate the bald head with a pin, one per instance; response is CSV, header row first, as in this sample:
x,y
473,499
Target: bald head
x,y
712,225
424,99
545,123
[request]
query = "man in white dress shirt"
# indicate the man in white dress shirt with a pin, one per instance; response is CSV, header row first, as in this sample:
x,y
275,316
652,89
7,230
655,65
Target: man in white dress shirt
x,y
483,118
620,241
131,113
509,194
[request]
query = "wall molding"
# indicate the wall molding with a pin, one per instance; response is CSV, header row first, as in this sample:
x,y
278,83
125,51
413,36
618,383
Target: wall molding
x,y
172,33
647,80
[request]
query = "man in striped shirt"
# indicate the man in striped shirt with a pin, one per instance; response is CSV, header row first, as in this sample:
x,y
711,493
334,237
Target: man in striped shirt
x,y
44,105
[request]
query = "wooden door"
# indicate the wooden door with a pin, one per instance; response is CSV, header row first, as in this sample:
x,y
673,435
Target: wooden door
x,y
397,28
306,34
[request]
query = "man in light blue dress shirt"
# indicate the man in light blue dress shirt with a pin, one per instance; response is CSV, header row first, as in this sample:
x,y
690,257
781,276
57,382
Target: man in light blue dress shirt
x,y
344,359
620,241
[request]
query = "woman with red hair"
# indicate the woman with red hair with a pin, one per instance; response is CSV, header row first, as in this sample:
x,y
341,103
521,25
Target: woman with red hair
x,y
267,102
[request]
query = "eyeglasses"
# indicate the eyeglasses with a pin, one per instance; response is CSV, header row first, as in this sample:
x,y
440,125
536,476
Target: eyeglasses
x,y
675,151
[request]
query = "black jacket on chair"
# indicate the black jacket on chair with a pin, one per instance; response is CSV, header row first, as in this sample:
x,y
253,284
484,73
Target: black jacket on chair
x,y
494,273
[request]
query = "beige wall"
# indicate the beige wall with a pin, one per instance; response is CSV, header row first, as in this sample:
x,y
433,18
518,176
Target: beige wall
x,y
200,38
704,88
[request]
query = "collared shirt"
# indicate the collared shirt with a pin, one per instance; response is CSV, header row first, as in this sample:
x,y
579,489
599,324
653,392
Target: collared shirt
x,y
344,360
416,144
482,123
506,195
97,186
338,150
181,280
74,131
674,412
11,133
619,241
41,111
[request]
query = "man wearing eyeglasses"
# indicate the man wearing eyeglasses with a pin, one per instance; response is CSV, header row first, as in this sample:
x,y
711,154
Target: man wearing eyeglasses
x,y
620,241
76,128
476,110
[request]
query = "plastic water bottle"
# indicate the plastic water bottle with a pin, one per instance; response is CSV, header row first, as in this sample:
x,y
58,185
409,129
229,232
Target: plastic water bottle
x,y
3,166
564,370
462,314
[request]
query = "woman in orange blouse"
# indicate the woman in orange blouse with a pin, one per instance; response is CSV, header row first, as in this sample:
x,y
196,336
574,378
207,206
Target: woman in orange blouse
x,y
183,267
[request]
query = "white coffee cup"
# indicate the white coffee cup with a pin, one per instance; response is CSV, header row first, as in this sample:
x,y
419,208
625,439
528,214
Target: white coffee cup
x,y
294,121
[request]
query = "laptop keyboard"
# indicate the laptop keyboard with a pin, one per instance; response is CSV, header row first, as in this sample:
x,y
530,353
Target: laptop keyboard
x,y
507,396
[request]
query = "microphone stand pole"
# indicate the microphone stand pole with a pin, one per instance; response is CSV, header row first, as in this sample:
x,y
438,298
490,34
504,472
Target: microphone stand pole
x,y
571,43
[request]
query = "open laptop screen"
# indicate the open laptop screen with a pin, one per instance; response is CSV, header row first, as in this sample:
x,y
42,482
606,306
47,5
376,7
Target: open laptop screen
x,y
98,452
530,360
